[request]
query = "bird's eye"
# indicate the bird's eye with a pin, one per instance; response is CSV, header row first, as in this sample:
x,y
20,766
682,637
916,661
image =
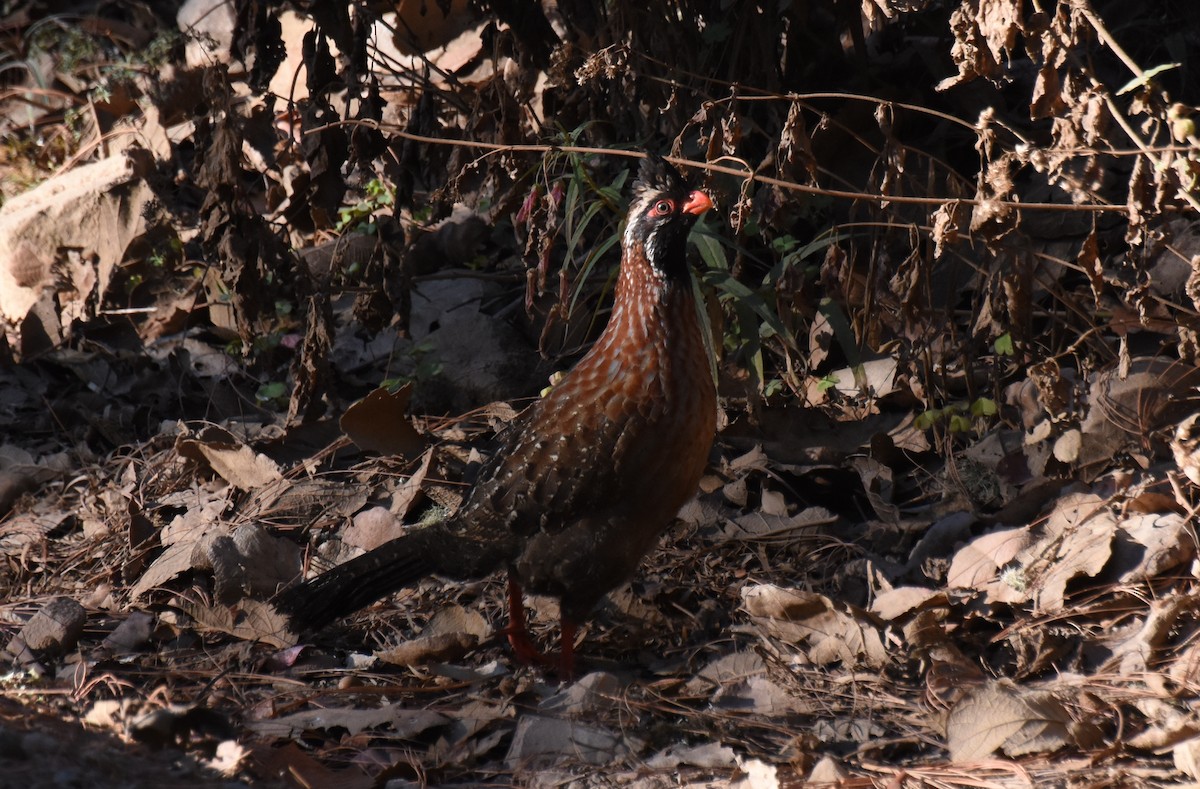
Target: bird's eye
x,y
662,208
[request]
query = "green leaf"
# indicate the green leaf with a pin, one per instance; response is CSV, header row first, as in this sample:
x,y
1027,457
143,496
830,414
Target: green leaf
x,y
1004,345
1145,77
845,339
784,244
746,301
710,349
827,383
797,255
270,391
588,264
960,424
984,406
709,247
575,234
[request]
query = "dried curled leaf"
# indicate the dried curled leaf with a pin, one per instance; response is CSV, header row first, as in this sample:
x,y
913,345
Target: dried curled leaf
x,y
832,631
1001,716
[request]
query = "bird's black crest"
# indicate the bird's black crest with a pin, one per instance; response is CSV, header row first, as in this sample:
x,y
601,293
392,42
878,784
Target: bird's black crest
x,y
657,175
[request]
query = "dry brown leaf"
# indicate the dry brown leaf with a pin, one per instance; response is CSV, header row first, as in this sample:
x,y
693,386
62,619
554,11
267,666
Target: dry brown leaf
x,y
171,314
53,630
177,559
726,670
1186,756
760,696
773,503
820,339
544,741
736,492
410,490
371,528
252,620
1140,647
946,221
401,721
978,564
313,502
1001,716
711,755
593,694
228,758
1169,723
1067,446
904,600
762,526
756,774
742,685
110,714
828,770
833,631
754,460
132,635
379,423
251,562
1047,95
232,460
876,377
423,650
1147,546
101,208
795,153
305,770
1126,407
1078,541
984,33
451,633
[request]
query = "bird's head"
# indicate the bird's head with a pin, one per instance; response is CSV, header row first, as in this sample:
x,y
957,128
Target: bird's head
x,y
663,210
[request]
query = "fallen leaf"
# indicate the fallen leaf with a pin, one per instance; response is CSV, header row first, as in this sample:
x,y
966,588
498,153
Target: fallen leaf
x,y
450,634
726,670
542,741
1077,541
709,755
371,528
596,692
1147,546
380,423
764,526
252,620
232,460
978,563
401,721
904,600
832,631
756,775
760,696
1001,716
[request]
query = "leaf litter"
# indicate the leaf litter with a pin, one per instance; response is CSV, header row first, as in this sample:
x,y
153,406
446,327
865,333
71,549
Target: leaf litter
x,y
951,544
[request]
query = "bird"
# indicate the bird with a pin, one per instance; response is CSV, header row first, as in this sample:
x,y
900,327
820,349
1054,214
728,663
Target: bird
x,y
587,478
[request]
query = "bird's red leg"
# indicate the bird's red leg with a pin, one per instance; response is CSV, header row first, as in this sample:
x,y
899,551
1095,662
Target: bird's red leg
x,y
523,647
518,636
566,658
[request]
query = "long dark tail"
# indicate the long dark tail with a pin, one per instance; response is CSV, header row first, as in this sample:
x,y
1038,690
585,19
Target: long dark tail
x,y
359,582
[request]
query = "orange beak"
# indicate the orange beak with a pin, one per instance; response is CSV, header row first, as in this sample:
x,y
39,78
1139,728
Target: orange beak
x,y
697,203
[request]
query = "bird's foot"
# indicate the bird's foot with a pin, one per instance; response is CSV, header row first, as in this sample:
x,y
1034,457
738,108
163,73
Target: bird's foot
x,y
526,653
523,647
